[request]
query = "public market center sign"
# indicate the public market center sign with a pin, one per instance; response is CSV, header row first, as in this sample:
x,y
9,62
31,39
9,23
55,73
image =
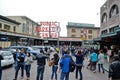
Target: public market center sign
x,y
48,29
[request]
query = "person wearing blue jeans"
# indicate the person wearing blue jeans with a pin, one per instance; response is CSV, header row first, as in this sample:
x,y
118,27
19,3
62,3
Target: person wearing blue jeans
x,y
78,69
101,61
28,68
54,71
79,63
65,65
64,76
28,61
40,71
41,62
19,65
55,66
100,66
20,57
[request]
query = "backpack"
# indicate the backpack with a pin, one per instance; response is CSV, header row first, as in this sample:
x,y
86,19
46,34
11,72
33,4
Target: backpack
x,y
72,67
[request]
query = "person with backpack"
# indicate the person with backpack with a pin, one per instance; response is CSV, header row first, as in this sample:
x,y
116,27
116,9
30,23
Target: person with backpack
x,y
20,58
41,62
55,66
94,59
79,63
65,66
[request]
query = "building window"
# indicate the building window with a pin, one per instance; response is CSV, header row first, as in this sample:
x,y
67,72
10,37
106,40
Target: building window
x,y
104,32
6,27
81,36
23,27
114,11
104,18
73,36
113,29
0,25
14,29
90,37
81,30
90,31
73,30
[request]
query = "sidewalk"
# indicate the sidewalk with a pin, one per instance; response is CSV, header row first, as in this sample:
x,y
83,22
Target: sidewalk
x,y
106,65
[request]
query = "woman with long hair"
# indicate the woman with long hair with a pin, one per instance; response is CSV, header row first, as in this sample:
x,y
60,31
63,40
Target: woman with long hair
x,y
55,66
28,61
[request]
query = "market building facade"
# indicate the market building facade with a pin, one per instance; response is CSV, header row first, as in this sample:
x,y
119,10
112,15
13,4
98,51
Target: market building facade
x,y
110,24
84,31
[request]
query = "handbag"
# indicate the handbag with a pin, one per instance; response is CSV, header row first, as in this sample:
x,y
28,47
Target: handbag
x,y
51,62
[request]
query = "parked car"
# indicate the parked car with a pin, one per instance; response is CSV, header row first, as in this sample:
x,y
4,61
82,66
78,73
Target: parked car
x,y
38,48
27,48
8,58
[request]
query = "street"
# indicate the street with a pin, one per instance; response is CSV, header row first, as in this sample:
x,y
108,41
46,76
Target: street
x,y
8,73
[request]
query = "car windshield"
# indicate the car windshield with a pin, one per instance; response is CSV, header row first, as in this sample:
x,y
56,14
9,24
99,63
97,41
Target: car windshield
x,y
6,53
35,48
15,47
31,49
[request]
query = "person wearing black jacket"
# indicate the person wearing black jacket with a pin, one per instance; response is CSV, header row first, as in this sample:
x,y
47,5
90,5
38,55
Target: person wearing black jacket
x,y
114,69
1,58
55,66
41,62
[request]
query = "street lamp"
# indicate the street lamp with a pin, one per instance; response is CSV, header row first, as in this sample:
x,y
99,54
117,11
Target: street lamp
x,y
58,31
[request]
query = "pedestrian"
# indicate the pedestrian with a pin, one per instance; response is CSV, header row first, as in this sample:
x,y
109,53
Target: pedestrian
x,y
41,62
28,61
14,56
101,61
20,57
1,58
65,65
55,66
114,69
47,52
94,59
79,64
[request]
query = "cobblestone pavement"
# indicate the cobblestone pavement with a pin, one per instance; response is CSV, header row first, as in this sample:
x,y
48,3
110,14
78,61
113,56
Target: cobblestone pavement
x,y
8,73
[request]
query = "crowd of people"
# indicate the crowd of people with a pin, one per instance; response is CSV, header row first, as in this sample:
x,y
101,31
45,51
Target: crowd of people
x,y
69,60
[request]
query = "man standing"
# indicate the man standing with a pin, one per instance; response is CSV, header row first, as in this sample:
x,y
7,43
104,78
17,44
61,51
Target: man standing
x,y
41,61
1,58
65,65
20,57
114,69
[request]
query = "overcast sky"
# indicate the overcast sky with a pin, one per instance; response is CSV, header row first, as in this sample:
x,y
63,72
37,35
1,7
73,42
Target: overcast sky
x,y
63,11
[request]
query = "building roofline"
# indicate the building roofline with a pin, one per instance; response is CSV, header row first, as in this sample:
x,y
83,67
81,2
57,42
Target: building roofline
x,y
82,27
10,20
26,18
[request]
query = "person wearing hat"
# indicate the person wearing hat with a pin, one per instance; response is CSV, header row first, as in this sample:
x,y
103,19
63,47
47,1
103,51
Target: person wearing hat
x,y
114,69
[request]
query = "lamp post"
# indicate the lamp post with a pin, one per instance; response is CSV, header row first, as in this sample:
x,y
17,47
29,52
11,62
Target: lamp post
x,y
58,31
